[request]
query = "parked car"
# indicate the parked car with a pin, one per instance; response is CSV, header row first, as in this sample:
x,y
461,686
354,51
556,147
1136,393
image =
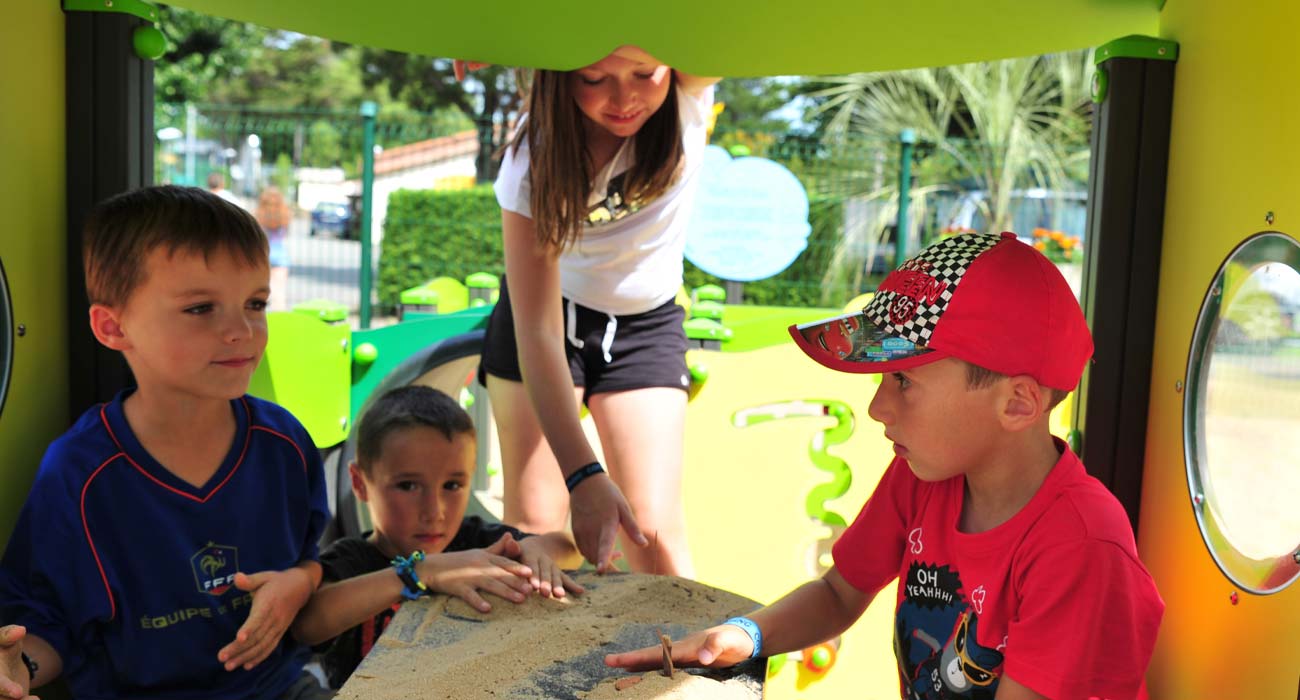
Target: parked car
x,y
331,217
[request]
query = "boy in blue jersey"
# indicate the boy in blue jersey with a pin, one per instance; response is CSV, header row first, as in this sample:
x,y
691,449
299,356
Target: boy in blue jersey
x,y
415,456
171,534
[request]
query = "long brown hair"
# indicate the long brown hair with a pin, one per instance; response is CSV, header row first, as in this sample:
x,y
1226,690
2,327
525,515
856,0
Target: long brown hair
x,y
559,167
272,211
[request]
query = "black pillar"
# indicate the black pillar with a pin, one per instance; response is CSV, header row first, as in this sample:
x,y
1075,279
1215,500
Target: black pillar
x,y
109,151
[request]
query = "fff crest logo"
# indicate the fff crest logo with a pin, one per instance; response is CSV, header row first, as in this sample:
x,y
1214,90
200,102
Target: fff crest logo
x,y
214,568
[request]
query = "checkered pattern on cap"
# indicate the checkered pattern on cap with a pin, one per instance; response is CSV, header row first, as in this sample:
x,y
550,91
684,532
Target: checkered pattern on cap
x,y
908,306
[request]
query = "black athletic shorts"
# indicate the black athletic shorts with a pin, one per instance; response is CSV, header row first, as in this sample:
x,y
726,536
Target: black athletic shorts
x,y
606,353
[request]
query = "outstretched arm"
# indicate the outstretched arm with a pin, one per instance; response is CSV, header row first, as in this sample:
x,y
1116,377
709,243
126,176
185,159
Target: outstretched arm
x,y
341,605
597,504
812,613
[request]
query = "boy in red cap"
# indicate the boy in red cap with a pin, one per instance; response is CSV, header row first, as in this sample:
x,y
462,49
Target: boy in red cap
x,y
1018,573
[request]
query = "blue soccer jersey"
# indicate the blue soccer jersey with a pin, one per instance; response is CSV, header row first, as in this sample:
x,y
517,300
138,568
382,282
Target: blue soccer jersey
x,y
128,571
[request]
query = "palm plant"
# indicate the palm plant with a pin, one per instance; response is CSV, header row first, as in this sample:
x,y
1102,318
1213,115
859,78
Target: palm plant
x,y
996,127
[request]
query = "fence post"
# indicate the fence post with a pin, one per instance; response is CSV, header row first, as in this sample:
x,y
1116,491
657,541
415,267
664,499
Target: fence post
x,y
368,112
906,141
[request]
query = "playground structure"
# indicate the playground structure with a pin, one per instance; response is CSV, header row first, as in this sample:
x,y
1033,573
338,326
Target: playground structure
x,y
78,113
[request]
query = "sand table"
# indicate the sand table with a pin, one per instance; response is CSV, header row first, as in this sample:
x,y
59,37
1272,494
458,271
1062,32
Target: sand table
x,y
550,649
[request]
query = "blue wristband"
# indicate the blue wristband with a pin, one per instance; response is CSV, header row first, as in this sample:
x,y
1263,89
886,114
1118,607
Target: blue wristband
x,y
751,629
412,586
571,482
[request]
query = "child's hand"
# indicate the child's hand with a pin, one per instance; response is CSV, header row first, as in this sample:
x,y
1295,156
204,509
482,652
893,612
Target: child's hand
x,y
277,598
719,647
464,574
547,577
599,509
14,679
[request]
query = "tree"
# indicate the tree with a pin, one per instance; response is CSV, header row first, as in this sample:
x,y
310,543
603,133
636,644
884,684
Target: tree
x,y
749,115
489,97
997,127
1004,125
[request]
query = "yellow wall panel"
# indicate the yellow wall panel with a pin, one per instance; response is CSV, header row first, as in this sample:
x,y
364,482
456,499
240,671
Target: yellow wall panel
x,y
1234,150
32,241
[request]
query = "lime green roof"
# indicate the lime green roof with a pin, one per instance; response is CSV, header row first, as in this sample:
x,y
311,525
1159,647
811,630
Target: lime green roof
x,y
715,37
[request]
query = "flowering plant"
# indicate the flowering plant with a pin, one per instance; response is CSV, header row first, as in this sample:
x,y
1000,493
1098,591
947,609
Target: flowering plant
x,y
1057,246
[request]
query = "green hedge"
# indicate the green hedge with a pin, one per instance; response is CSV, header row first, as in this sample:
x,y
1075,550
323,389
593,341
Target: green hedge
x,y
433,233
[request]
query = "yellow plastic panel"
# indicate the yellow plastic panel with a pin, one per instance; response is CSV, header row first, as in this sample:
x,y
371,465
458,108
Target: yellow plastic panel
x,y
32,242
1235,142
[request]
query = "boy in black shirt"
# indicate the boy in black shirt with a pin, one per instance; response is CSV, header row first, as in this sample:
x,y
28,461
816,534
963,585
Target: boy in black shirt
x,y
415,455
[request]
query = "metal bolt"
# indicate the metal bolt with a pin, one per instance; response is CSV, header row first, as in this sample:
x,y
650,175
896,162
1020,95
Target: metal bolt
x,y
1296,556
108,3
1198,498
22,329
344,344
1178,386
1161,50
343,422
1234,598
1268,218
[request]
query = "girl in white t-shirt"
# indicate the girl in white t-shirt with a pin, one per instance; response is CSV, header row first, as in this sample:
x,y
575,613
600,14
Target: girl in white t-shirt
x,y
595,190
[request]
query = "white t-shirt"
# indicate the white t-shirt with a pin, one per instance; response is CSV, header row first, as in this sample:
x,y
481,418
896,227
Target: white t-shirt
x,y
625,262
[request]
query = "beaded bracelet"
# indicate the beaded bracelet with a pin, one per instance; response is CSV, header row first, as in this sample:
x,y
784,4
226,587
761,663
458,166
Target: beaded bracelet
x,y
412,586
571,482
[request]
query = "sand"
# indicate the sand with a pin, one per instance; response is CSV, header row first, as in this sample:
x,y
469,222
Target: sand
x,y
550,649
653,685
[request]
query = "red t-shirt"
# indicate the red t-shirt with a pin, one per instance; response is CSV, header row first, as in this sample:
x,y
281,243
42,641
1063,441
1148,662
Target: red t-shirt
x,y
1055,597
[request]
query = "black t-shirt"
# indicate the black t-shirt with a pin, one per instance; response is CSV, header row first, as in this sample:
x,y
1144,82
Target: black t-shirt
x,y
354,556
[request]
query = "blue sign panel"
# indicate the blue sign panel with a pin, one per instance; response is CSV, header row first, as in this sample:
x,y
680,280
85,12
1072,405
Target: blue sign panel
x,y
750,220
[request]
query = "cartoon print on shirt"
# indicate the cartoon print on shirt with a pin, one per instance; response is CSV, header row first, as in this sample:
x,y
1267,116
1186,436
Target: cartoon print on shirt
x,y
914,539
960,668
614,206
934,638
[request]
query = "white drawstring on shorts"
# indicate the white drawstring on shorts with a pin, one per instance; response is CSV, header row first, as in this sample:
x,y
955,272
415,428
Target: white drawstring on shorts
x,y
606,343
574,340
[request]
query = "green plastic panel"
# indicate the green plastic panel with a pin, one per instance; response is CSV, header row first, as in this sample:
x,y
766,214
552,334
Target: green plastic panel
x,y
305,369
143,10
722,37
323,310
453,295
763,326
1136,46
397,342
418,296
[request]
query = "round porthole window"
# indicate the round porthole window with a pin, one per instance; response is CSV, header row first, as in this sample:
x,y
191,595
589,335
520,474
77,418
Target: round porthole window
x,y
6,337
1241,414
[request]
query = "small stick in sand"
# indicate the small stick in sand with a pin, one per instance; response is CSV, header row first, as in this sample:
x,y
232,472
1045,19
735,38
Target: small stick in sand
x,y
667,645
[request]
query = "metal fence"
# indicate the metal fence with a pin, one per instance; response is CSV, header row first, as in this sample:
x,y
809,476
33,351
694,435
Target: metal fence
x,y
321,161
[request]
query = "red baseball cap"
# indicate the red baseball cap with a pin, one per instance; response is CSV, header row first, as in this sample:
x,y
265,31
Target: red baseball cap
x,y
987,299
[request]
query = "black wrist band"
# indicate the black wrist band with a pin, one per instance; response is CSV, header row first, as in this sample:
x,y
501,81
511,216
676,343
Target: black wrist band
x,y
571,482
31,666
